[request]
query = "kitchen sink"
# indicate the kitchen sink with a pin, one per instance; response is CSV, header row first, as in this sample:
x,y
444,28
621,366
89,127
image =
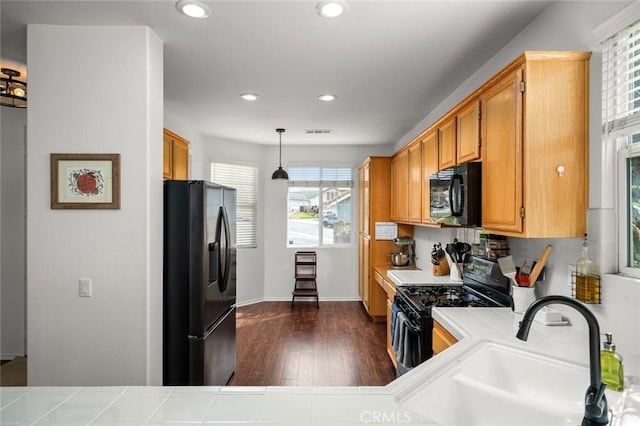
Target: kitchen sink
x,y
489,383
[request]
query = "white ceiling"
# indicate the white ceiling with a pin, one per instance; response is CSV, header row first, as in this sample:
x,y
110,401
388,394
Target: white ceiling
x,y
388,62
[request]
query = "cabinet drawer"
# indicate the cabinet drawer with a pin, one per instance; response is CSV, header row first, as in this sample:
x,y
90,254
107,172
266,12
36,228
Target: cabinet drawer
x,y
387,286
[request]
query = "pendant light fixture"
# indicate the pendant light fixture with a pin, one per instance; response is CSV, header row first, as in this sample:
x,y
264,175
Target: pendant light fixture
x,y
13,93
280,173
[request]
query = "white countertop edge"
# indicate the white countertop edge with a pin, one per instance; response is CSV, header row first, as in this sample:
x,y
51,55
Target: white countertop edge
x,y
484,325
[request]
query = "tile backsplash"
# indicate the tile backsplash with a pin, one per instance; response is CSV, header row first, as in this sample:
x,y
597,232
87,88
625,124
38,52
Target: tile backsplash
x,y
619,311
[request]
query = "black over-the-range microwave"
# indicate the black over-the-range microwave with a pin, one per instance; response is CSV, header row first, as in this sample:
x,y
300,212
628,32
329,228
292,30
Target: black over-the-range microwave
x,y
456,195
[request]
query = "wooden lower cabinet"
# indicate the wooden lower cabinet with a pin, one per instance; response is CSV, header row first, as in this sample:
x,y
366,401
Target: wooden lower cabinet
x,y
389,289
390,351
442,339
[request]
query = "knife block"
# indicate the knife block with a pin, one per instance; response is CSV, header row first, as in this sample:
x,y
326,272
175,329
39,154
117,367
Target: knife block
x,y
442,268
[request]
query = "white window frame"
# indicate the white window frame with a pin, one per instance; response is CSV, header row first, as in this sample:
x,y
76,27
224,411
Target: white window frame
x,y
621,143
320,185
246,199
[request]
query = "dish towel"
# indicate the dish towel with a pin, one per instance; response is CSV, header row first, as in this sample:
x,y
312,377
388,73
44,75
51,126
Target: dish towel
x,y
412,341
394,313
398,335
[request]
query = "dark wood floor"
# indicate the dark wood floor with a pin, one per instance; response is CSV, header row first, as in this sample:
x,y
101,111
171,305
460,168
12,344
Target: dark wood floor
x,y
336,345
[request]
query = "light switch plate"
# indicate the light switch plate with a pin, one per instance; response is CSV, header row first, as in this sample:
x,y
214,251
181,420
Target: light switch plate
x,y
85,287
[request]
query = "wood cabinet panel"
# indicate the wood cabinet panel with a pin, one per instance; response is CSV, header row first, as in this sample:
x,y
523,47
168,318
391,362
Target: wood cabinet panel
x,y
376,252
389,289
180,161
415,182
468,133
167,157
394,190
556,134
442,339
502,155
447,144
366,271
535,147
402,186
429,167
175,156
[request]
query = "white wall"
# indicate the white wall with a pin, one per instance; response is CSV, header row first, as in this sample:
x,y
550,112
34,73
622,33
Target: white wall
x,y
114,337
337,267
564,26
266,273
198,166
13,122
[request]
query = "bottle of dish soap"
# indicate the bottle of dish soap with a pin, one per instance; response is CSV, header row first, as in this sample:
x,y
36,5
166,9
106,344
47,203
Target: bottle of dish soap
x,y
611,361
587,277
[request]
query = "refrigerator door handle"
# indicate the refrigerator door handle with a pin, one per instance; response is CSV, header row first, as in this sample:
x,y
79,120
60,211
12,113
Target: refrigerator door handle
x,y
224,259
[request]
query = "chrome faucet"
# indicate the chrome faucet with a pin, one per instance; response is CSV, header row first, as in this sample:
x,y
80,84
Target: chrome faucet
x,y
596,411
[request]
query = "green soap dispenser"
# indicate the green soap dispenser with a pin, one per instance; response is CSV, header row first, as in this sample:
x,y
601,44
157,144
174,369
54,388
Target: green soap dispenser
x,y
612,371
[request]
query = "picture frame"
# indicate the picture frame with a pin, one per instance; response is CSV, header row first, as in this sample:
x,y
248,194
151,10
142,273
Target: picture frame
x,y
85,181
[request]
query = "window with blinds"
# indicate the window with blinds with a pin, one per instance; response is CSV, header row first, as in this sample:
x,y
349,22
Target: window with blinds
x,y
319,206
621,128
621,83
245,180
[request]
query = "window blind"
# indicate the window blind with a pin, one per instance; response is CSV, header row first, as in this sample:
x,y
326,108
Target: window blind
x,y
245,180
621,83
339,177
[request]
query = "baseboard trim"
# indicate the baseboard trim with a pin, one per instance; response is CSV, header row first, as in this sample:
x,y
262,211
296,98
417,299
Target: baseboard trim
x,y
10,356
298,299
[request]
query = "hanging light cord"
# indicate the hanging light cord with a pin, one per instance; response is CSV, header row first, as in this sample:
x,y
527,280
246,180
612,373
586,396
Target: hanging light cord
x,y
280,148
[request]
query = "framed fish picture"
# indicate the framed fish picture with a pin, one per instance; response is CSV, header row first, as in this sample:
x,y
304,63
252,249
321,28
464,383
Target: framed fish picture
x,y
85,181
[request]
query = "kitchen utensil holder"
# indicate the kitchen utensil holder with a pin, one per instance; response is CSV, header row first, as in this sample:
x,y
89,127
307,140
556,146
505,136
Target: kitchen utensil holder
x,y
590,294
522,298
442,268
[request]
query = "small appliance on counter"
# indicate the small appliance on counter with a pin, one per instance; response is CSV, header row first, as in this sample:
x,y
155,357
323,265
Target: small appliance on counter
x,y
405,256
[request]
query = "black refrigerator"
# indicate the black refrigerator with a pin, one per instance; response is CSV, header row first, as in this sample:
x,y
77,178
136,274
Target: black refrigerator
x,y
199,305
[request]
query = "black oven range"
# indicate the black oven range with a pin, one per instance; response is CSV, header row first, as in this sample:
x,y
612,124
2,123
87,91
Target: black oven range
x,y
483,285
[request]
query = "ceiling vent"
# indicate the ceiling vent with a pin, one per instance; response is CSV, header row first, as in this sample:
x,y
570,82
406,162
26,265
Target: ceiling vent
x,y
318,131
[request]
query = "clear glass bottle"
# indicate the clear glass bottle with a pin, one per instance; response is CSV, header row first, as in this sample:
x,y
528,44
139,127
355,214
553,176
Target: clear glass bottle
x,y
611,362
587,277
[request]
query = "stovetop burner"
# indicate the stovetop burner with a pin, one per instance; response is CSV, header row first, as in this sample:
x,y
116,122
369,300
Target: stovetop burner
x,y
423,298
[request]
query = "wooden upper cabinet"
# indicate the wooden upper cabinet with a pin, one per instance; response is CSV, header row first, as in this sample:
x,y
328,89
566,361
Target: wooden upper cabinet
x,y
167,155
535,147
175,156
402,185
415,182
394,189
447,144
468,133
429,167
364,197
502,155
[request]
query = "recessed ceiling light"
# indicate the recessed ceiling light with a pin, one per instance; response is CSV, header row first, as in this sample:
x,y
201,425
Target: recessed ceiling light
x,y
193,8
250,96
327,98
331,8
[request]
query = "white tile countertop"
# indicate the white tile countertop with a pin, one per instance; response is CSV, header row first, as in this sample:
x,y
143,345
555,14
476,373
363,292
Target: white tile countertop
x,y
501,324
149,405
